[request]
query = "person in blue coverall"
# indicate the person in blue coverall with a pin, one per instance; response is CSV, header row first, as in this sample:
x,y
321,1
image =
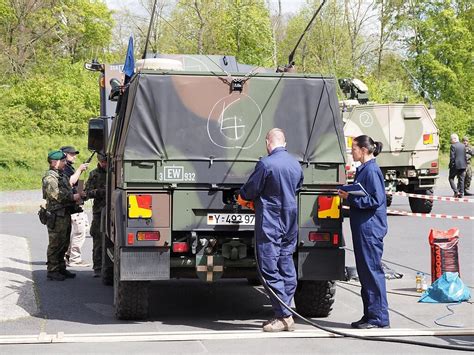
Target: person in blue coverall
x,y
272,187
368,217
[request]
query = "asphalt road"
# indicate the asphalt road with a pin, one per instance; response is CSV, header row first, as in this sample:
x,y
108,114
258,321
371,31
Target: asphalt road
x,y
84,305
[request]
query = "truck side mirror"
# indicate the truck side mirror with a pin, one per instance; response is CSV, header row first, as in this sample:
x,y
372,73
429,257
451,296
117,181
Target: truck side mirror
x,y
96,139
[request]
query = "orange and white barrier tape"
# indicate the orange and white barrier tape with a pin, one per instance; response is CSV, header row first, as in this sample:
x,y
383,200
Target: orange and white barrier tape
x,y
424,215
433,198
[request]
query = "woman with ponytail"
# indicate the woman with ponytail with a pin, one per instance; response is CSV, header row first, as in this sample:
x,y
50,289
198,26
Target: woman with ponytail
x,y
368,217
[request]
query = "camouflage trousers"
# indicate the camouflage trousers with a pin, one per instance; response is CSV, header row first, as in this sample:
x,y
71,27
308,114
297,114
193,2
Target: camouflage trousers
x,y
58,243
96,242
468,178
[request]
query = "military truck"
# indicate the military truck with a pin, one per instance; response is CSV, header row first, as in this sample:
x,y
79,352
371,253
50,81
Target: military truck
x,y
409,159
186,134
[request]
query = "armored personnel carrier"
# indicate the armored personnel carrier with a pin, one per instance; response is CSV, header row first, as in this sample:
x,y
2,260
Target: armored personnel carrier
x,y
409,159
186,134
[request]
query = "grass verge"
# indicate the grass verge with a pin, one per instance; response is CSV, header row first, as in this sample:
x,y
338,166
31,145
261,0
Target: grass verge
x,y
23,160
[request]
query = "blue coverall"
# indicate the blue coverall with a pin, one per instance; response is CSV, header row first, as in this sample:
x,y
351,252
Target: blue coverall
x,y
273,186
368,216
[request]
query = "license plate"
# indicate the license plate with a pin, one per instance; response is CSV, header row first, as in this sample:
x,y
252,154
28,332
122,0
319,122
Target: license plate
x,y
243,219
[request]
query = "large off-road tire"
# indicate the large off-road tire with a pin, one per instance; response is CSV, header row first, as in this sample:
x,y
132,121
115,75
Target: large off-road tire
x,y
315,298
107,264
130,297
132,300
389,199
418,205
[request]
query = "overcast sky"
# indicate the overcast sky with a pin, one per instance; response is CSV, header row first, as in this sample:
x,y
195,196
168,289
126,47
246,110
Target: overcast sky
x,y
134,5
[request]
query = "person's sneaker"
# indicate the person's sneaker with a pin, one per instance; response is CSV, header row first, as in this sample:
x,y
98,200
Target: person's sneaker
x,y
280,325
467,193
81,263
97,273
55,276
372,326
68,274
359,322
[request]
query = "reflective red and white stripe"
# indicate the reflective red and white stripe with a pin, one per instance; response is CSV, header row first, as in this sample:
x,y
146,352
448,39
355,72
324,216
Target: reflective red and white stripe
x,y
433,198
424,215
429,215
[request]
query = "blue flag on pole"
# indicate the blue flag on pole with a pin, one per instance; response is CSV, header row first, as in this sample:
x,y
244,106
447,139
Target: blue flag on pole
x,y
129,66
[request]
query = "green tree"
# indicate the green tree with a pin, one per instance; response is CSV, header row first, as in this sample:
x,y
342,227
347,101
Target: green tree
x,y
389,19
452,119
57,98
33,31
440,49
339,41
85,27
233,27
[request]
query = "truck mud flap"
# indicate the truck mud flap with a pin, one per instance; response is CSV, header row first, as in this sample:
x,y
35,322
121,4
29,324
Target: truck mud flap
x,y
321,264
144,264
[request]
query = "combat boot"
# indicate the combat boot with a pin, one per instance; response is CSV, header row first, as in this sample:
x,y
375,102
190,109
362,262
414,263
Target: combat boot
x,y
280,324
68,274
55,276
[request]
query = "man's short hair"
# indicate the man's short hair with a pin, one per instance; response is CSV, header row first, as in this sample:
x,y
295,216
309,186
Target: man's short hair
x,y
276,135
454,137
465,139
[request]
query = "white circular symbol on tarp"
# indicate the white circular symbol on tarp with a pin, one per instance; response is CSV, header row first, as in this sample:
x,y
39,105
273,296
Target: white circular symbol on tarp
x,y
366,119
235,121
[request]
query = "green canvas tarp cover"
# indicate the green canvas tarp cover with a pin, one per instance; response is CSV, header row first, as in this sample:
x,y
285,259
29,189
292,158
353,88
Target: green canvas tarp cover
x,y
196,116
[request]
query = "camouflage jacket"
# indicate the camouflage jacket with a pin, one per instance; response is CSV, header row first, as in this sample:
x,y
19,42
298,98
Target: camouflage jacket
x,y
57,192
468,154
95,188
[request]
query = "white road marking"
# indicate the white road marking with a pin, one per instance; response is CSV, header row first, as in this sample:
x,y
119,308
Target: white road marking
x,y
222,335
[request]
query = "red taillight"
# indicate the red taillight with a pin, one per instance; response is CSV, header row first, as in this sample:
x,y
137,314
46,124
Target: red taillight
x,y
335,239
148,235
131,238
319,237
434,171
434,164
180,247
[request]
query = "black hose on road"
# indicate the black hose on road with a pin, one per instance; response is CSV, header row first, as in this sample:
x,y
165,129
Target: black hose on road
x,y
348,335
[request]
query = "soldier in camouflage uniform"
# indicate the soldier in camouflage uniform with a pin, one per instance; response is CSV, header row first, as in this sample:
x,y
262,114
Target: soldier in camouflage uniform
x,y
59,201
468,178
95,188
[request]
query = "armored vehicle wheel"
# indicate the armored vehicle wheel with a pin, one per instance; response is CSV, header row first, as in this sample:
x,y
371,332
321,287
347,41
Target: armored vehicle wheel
x,y
315,298
418,205
107,264
389,199
130,297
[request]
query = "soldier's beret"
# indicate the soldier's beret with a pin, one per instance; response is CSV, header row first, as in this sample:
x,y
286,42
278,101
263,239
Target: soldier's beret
x,y
56,155
69,149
